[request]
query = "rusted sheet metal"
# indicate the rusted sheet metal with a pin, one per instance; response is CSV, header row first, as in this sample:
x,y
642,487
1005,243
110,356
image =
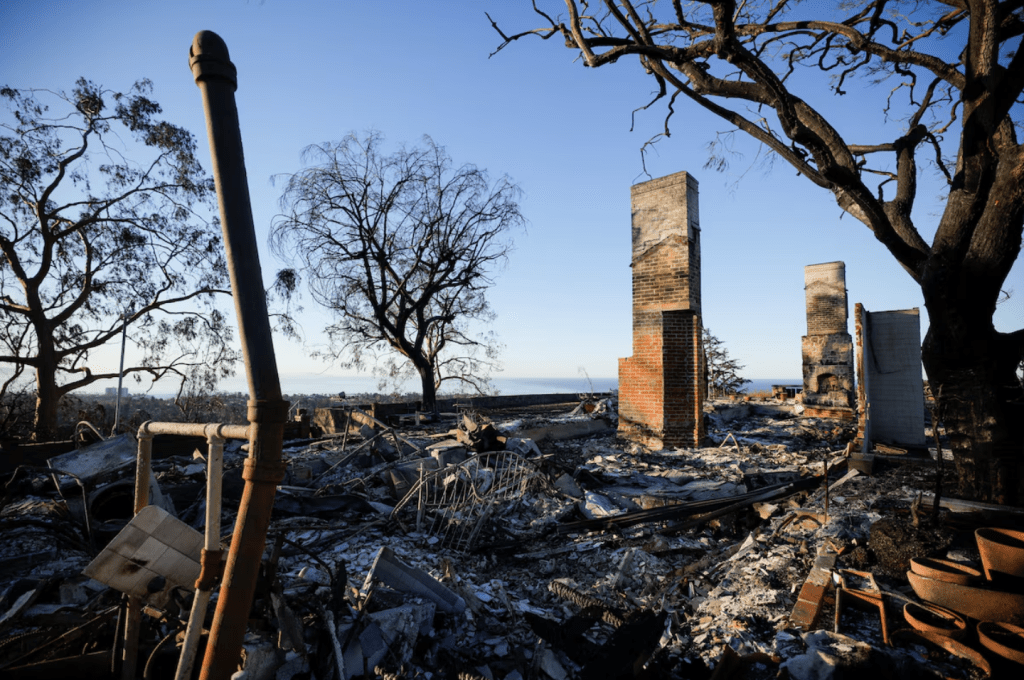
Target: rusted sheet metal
x,y
946,570
949,644
870,594
1004,639
979,603
217,80
1002,551
931,618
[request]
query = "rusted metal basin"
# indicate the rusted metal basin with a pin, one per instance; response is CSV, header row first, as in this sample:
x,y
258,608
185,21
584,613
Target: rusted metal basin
x,y
949,644
1002,550
946,570
932,618
1004,639
983,604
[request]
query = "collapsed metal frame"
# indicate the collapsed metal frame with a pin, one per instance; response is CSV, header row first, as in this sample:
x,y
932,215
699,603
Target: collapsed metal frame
x,y
458,500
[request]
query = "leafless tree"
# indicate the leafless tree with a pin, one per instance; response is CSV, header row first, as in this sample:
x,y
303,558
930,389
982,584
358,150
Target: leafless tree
x,y
92,241
400,247
956,71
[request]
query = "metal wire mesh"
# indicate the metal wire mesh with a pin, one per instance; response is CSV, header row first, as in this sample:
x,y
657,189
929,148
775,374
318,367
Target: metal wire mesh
x,y
455,503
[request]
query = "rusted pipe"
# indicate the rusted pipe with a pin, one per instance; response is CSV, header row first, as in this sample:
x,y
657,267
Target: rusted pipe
x,y
150,429
217,80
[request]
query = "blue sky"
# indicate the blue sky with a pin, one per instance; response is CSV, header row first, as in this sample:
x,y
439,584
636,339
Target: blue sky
x,y
311,72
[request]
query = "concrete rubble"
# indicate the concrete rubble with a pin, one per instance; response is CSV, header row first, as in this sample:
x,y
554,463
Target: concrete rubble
x,y
518,543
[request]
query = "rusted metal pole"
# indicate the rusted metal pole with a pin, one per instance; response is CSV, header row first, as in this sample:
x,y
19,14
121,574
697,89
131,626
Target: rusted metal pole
x,y
217,80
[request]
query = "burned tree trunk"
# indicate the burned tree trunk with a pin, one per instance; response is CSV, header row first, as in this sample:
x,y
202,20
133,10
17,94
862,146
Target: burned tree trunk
x,y
47,397
47,392
429,389
971,370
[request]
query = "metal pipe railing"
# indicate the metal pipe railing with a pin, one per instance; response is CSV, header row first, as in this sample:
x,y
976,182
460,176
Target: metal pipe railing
x,y
215,435
211,555
217,80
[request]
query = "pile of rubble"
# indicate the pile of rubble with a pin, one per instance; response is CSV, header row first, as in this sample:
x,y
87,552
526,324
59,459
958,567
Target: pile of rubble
x,y
501,545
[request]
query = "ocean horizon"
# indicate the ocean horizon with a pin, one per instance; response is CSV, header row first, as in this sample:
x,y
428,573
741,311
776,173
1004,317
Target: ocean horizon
x,y
352,385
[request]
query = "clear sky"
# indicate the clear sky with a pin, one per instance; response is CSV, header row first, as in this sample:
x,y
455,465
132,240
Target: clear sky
x,y
311,72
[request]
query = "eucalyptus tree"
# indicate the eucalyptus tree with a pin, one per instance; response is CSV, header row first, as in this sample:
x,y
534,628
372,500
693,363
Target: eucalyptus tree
x,y
103,228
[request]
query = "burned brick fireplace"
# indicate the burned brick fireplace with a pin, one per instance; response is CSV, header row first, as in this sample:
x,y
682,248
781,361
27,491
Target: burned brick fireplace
x,y
827,347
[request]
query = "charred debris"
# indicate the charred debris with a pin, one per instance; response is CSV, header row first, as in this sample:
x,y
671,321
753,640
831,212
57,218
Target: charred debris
x,y
524,542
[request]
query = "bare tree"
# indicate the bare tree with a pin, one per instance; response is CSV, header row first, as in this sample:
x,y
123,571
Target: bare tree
x,y
16,407
91,241
956,73
722,372
400,246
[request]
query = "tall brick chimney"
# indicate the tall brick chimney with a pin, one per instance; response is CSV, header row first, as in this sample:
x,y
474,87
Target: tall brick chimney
x,y
827,347
661,396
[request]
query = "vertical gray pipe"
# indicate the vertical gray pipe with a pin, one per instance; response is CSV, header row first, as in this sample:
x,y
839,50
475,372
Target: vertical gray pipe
x,y
120,377
133,617
216,77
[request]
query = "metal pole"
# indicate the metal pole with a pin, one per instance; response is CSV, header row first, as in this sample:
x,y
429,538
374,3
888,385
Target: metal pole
x,y
217,80
133,618
211,553
120,377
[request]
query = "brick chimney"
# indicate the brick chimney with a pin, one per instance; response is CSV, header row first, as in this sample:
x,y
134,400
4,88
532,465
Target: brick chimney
x,y
827,347
661,396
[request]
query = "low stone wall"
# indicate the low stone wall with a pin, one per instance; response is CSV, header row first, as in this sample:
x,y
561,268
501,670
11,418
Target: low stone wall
x,y
332,420
509,400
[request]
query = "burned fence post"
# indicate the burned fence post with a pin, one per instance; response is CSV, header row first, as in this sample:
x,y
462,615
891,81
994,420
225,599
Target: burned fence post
x,y
217,80
661,396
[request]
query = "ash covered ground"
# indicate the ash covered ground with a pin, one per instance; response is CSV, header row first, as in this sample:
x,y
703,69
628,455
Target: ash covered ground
x,y
534,556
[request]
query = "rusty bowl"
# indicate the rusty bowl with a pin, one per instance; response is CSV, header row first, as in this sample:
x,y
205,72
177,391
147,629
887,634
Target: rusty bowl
x,y
934,619
1002,550
1005,640
945,570
950,645
983,604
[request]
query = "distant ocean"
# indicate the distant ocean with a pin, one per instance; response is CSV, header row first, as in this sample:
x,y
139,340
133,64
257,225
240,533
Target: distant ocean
x,y
307,384
324,384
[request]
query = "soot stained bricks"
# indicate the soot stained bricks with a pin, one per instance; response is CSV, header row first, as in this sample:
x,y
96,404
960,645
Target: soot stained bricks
x,y
827,347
